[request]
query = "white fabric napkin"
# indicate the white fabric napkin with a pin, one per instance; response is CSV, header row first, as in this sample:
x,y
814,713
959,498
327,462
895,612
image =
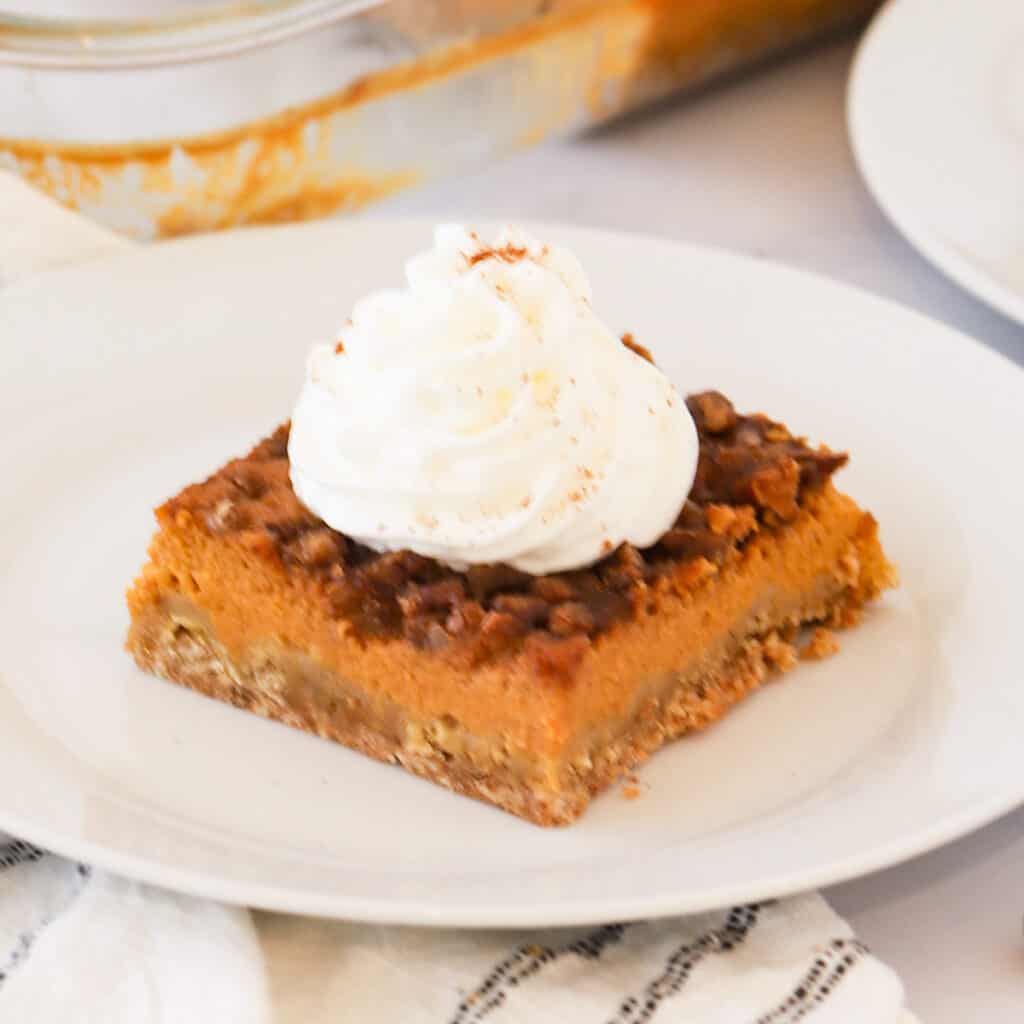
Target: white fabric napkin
x,y
37,234
80,946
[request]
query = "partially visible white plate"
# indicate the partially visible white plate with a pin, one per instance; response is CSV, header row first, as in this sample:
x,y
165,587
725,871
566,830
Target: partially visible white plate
x,y
936,116
121,381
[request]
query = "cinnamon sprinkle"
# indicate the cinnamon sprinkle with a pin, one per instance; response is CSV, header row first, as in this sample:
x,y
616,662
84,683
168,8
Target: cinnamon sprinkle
x,y
634,346
507,254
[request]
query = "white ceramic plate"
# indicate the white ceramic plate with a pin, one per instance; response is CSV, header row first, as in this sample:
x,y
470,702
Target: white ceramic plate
x,y
936,114
123,380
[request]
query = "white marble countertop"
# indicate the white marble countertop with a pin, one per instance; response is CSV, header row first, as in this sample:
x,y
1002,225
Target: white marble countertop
x,y
763,165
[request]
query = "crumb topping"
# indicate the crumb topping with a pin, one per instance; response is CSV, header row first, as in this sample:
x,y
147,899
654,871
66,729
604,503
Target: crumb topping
x,y
822,644
752,475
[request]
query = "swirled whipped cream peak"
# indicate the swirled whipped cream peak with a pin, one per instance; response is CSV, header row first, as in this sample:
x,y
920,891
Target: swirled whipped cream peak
x,y
484,413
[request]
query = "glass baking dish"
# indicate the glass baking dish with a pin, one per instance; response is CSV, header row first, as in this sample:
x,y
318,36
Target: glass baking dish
x,y
208,115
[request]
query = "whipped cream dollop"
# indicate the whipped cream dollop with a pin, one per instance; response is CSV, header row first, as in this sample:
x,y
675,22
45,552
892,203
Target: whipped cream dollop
x,y
484,413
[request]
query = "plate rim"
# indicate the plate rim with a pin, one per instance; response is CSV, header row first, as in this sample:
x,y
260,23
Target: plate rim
x,y
965,273
422,912
501,916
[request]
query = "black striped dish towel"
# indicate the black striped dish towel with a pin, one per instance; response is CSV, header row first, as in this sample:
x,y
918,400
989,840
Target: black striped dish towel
x,y
79,946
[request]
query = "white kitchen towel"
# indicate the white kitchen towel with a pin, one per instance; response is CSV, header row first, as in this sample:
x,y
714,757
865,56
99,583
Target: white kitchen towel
x,y
773,963
80,946
36,234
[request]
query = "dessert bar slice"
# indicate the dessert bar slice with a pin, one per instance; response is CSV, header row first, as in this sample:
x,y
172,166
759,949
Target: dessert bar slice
x,y
533,693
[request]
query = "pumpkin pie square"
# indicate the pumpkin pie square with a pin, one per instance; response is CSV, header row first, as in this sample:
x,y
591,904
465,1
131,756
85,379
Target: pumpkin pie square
x,y
531,692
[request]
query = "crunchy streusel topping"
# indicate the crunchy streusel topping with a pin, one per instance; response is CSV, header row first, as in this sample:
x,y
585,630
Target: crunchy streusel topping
x,y
752,474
